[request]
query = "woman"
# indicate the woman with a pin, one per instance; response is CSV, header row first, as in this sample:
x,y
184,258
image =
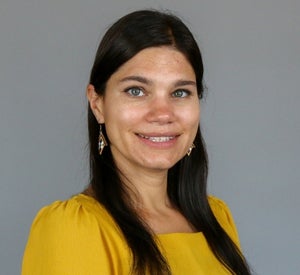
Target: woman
x,y
146,210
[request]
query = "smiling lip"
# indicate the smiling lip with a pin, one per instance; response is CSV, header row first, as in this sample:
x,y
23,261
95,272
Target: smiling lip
x,y
159,138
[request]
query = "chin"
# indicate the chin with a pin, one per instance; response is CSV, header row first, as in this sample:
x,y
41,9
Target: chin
x,y
161,164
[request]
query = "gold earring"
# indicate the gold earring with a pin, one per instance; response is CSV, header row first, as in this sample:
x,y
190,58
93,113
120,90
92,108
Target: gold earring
x,y
190,149
101,141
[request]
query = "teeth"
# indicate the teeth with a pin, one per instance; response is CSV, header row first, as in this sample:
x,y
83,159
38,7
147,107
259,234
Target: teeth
x,y
158,139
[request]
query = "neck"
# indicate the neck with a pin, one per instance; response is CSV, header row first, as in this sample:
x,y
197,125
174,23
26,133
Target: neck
x,y
147,189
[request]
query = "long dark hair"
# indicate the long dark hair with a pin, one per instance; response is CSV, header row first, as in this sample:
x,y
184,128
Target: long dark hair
x,y
186,180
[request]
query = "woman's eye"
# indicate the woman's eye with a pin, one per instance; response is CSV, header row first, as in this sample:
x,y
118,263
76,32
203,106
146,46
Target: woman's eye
x,y
180,93
135,91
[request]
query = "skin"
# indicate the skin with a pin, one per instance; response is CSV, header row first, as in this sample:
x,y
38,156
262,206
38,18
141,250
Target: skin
x,y
151,113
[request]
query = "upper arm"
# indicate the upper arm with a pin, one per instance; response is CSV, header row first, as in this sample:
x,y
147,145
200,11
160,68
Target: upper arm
x,y
64,239
225,219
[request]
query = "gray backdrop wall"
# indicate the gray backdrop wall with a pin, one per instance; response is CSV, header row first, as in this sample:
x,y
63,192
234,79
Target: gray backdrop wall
x,y
250,118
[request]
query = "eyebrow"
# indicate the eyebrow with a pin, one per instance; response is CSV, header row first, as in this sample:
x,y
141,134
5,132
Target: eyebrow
x,y
144,80
136,78
185,83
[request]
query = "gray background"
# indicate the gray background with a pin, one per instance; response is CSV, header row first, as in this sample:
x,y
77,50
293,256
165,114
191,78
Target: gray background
x,y
250,118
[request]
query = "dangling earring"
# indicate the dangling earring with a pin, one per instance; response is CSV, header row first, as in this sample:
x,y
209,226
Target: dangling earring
x,y
101,141
190,149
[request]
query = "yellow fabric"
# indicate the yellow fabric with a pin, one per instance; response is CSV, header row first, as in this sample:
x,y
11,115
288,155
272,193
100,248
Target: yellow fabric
x,y
79,237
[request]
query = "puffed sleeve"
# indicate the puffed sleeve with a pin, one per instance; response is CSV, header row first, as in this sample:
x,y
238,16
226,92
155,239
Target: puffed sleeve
x,y
64,240
224,217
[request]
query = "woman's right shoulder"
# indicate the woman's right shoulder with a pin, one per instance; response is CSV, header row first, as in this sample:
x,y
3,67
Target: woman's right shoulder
x,y
79,210
70,237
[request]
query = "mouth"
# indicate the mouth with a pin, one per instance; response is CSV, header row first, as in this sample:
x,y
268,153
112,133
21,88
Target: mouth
x,y
158,139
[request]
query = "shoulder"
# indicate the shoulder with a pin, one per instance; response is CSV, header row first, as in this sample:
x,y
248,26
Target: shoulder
x,y
70,237
224,217
61,213
218,206
64,222
77,214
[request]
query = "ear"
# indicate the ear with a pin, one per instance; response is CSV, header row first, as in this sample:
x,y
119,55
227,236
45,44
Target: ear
x,y
96,103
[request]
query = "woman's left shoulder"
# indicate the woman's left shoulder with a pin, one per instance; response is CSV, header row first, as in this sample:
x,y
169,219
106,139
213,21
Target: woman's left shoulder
x,y
224,217
217,204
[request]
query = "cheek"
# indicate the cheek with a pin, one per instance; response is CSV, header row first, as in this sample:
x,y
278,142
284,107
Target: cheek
x,y
122,116
191,117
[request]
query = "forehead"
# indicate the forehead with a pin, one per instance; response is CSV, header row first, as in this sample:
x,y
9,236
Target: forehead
x,y
157,61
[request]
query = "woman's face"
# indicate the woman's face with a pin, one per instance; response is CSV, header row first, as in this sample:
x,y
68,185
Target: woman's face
x,y
150,109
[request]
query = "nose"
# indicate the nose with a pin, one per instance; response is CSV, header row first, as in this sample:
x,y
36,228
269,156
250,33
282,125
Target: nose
x,y
161,110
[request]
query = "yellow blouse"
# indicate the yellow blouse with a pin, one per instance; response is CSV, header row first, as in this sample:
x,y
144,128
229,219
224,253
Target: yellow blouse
x,y
79,237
